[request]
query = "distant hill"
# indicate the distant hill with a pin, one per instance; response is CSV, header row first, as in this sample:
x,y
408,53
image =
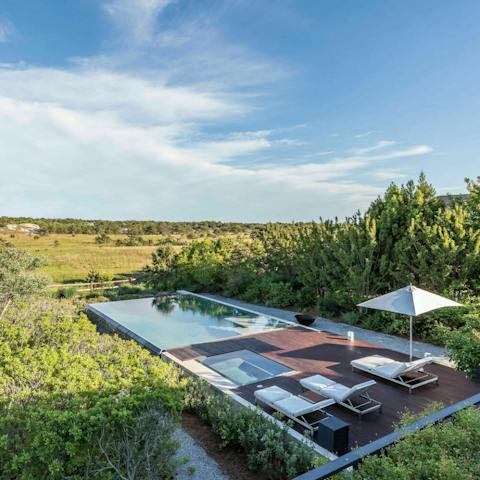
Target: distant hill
x,y
454,198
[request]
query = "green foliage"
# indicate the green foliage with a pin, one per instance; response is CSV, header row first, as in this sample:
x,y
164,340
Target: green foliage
x,y
93,276
18,276
76,404
66,292
446,451
103,239
463,345
269,448
133,241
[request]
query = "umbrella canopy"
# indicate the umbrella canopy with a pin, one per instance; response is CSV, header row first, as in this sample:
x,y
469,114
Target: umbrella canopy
x,y
411,301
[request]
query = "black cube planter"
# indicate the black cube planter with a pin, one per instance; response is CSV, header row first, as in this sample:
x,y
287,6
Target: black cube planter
x,y
304,319
333,435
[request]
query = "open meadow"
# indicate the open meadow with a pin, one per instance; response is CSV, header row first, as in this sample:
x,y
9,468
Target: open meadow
x,y
70,258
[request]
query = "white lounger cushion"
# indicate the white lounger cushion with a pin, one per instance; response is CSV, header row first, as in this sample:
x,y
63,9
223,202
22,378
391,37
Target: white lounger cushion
x,y
272,394
330,389
316,382
387,367
295,406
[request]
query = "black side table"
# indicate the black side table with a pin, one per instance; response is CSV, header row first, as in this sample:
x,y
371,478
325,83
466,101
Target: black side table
x,y
332,434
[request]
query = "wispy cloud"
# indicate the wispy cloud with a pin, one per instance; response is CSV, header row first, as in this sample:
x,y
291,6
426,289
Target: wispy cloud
x,y
319,154
364,134
389,174
136,19
378,146
7,30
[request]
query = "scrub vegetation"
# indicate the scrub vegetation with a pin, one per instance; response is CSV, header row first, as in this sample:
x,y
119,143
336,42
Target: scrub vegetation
x,y
73,403
73,248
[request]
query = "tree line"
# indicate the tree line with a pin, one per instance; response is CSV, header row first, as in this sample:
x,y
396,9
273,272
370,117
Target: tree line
x,y
131,227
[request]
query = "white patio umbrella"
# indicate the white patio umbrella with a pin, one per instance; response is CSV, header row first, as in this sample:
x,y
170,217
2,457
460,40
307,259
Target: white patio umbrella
x,y
411,301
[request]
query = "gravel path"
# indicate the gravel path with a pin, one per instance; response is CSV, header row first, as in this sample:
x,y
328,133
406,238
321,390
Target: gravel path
x,y
205,467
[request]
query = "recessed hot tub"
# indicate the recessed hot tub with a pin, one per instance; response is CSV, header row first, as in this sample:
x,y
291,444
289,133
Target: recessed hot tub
x,y
244,366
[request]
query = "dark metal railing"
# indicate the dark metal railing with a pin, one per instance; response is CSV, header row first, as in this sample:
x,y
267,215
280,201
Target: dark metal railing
x,y
354,457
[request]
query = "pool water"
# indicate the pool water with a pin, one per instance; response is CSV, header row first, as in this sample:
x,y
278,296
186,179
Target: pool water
x,y
244,366
178,320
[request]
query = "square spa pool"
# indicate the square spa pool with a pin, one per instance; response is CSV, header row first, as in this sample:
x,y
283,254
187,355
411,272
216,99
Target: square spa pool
x,y
243,367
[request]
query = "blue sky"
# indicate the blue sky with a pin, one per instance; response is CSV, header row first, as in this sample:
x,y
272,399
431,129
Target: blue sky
x,y
233,110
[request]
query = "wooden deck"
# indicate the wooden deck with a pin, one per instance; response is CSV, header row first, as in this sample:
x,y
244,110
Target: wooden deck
x,y
309,352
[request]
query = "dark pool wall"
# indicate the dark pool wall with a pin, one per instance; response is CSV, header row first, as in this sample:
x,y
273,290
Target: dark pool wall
x,y
107,325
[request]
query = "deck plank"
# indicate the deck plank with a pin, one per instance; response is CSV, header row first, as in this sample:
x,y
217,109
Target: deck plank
x,y
309,352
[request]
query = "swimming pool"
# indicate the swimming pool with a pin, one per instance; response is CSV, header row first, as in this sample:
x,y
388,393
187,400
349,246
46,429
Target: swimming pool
x,y
183,319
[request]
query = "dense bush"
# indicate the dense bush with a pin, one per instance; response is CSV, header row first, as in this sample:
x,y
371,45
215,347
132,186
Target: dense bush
x,y
446,451
76,404
464,345
407,236
269,448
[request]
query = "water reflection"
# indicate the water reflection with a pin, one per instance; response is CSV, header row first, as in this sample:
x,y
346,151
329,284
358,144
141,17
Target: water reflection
x,y
164,303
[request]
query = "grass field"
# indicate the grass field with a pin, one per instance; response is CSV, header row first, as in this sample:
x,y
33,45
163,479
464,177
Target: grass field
x,y
76,255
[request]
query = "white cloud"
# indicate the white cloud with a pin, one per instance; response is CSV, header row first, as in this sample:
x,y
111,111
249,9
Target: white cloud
x,y
129,96
364,134
389,174
7,30
136,19
406,152
378,146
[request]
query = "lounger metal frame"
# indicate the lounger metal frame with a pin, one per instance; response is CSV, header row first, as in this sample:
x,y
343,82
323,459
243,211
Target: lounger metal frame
x,y
364,407
360,410
411,384
301,420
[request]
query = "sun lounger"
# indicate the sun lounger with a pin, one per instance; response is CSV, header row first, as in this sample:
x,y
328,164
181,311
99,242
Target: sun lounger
x,y
354,398
291,406
407,374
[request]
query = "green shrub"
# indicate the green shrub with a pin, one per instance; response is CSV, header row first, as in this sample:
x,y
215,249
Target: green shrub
x,y
76,404
280,294
352,318
463,345
101,435
66,292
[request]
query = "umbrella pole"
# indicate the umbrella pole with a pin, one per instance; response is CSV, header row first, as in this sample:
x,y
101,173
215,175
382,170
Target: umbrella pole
x,y
411,338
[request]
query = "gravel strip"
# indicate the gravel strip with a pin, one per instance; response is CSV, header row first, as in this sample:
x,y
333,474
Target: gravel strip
x,y
205,467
